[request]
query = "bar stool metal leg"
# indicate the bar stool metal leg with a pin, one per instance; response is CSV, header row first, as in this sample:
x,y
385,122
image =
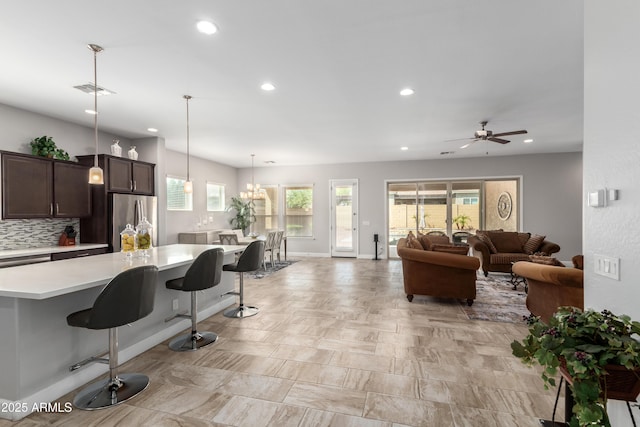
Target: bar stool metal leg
x,y
114,390
194,340
242,310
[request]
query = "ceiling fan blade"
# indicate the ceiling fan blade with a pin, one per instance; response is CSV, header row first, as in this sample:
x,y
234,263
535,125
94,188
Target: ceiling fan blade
x,y
498,140
515,132
459,139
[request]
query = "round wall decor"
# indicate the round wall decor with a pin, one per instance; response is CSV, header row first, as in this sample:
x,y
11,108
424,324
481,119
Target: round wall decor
x,y
504,206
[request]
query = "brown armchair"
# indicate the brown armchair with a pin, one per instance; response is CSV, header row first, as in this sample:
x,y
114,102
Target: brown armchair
x,y
438,274
551,287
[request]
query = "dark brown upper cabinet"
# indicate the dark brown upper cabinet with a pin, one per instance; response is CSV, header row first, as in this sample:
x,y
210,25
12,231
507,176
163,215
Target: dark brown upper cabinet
x,y
124,175
36,187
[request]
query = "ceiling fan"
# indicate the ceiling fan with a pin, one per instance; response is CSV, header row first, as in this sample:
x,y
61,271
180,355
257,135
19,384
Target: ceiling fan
x,y
487,135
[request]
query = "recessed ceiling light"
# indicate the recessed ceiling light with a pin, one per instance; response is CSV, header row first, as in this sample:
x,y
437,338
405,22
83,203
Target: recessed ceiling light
x,y
526,141
152,129
90,112
404,148
207,27
267,86
465,145
406,91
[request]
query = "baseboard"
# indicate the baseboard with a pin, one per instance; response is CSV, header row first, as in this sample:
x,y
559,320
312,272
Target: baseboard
x,y
39,401
309,254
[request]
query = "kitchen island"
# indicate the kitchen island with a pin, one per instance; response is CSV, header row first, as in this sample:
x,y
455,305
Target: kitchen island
x,y
37,344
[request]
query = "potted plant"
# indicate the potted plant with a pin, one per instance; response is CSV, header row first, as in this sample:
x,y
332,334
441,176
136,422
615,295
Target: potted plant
x,y
461,221
45,146
245,213
595,351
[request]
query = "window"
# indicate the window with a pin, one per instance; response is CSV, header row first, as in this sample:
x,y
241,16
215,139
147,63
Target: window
x,y
177,199
267,209
215,197
298,215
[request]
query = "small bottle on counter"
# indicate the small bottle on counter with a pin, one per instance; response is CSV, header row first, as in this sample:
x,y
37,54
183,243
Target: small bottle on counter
x,y
128,241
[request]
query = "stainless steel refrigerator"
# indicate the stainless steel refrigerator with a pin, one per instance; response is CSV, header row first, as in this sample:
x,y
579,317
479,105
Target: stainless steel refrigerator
x,y
130,209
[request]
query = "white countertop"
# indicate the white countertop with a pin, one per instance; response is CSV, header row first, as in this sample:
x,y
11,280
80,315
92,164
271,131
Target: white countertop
x,y
46,250
51,279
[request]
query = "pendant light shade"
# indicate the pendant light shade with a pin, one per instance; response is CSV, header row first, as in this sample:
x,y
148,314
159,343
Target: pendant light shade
x,y
96,176
188,185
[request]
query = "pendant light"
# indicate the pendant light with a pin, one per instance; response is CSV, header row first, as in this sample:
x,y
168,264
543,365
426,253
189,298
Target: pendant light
x,y
188,185
96,175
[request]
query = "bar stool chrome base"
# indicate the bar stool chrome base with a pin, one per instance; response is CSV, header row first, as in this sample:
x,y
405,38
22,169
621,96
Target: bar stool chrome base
x,y
107,393
241,311
193,341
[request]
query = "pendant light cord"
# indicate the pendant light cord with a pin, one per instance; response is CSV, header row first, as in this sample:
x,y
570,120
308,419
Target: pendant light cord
x,y
95,104
187,97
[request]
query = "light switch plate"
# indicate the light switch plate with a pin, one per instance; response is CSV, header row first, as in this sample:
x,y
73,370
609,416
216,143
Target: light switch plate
x,y
607,266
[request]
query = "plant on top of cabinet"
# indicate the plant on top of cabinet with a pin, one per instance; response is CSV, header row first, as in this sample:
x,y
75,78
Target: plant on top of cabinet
x,y
46,147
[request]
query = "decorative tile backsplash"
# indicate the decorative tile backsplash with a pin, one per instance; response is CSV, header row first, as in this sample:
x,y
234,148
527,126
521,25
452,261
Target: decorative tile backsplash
x,y
34,233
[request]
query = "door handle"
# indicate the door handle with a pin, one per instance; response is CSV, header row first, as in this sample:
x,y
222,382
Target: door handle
x,y
134,185
51,209
57,208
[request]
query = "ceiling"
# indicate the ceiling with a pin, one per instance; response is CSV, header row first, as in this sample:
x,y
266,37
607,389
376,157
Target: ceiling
x,y
338,67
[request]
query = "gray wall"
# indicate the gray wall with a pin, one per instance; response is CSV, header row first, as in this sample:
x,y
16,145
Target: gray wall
x,y
611,158
552,202
552,193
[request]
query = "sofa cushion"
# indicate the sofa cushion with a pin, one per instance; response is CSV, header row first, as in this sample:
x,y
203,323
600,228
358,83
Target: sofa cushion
x,y
484,237
524,238
452,249
506,241
429,240
533,244
505,259
546,260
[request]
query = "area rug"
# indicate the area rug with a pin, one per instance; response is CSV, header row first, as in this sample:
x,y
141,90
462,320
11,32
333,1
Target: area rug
x,y
496,300
262,273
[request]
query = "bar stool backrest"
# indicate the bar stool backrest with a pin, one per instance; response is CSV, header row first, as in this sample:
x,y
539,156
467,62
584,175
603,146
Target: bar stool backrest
x,y
251,258
205,272
128,297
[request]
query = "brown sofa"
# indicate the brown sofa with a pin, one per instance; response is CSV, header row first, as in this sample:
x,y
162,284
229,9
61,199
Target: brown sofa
x,y
497,250
436,273
551,287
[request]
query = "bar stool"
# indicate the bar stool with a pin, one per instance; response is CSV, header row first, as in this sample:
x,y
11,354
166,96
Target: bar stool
x,y
204,273
249,260
128,297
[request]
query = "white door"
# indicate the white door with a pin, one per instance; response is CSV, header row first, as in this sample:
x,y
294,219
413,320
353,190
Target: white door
x,y
344,218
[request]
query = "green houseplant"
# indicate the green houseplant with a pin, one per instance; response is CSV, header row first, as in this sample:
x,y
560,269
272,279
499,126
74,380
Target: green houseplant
x,y
462,221
245,213
45,146
586,346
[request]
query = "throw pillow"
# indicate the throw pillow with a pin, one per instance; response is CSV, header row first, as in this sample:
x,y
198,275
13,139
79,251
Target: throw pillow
x,y
506,242
533,244
452,249
546,260
484,237
578,262
412,242
524,238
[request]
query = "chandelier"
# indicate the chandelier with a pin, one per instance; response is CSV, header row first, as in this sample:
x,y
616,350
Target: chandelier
x,y
254,192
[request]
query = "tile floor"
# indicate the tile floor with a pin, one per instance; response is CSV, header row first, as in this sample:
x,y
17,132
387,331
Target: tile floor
x,y
336,343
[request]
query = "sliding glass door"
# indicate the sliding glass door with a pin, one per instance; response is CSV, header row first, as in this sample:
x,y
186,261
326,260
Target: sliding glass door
x,y
455,208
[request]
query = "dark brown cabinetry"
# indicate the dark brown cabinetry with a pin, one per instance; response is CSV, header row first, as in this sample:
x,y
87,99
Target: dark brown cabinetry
x,y
124,175
78,254
36,187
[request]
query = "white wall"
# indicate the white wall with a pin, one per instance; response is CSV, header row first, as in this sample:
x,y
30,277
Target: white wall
x,y
612,158
552,193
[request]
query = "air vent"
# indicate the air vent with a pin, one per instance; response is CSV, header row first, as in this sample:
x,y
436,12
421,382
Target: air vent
x,y
89,87
446,153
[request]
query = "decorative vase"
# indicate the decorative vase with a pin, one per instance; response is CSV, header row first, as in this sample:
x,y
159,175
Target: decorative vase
x,y
116,150
132,153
